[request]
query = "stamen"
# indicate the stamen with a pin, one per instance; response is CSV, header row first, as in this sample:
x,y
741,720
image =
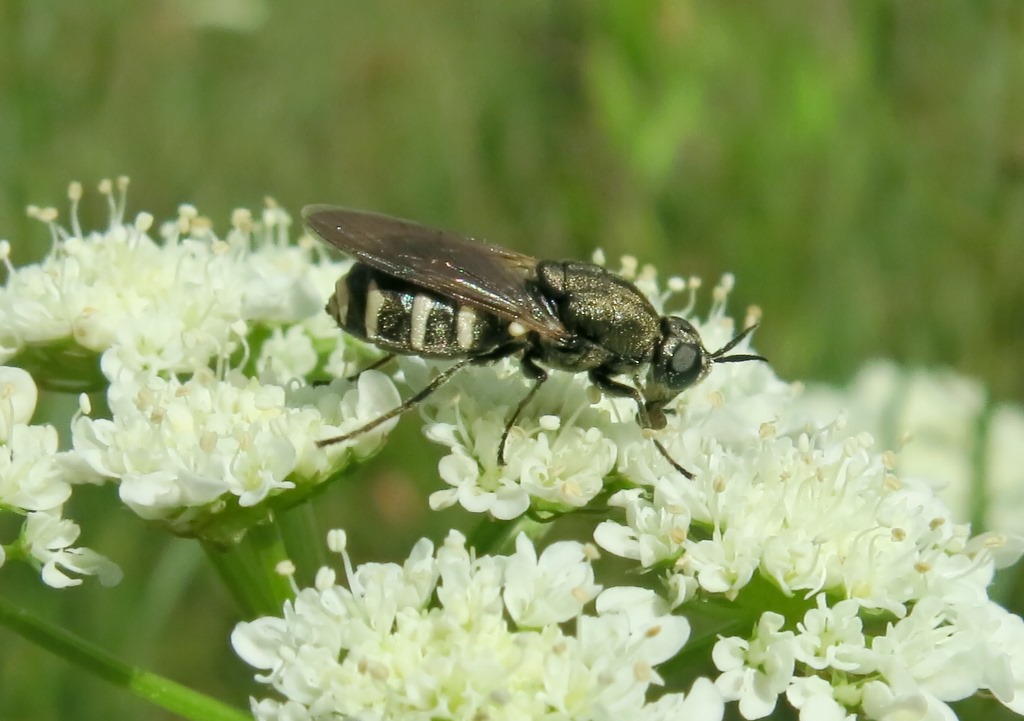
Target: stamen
x,y
122,200
629,266
106,188
753,316
276,221
143,222
48,216
241,218
694,284
202,227
5,256
75,195
186,214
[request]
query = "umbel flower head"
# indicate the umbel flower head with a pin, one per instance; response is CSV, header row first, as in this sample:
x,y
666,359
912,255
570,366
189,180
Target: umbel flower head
x,y
183,449
201,345
170,306
809,568
447,635
876,583
951,435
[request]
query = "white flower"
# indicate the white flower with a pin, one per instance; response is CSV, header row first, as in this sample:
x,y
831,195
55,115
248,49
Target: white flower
x,y
833,638
568,439
815,699
860,591
951,650
649,535
288,353
820,512
813,512
47,538
703,703
178,445
18,396
433,639
31,470
756,671
942,651
281,280
31,475
169,303
551,589
880,702
811,507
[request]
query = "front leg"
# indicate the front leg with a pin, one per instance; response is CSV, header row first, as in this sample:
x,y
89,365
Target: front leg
x,y
655,419
603,380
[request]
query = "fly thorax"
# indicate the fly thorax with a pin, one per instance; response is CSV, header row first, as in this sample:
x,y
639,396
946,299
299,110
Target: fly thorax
x,y
602,309
576,356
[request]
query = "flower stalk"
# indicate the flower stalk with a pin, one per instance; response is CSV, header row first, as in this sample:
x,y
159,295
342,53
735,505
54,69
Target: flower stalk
x,y
255,570
161,692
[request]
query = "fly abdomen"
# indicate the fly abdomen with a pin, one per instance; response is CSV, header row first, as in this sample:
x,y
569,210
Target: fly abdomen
x,y
403,318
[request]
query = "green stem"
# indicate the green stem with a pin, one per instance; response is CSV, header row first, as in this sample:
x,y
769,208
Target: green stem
x,y
156,689
269,549
249,570
249,595
304,540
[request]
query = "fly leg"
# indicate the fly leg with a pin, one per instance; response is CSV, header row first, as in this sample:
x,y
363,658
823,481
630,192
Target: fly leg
x,y
373,366
649,417
538,375
442,378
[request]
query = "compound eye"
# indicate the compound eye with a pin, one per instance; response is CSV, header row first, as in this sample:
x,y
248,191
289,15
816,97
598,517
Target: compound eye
x,y
685,359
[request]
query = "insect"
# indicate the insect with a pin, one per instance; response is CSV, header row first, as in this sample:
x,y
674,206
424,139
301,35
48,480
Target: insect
x,y
421,291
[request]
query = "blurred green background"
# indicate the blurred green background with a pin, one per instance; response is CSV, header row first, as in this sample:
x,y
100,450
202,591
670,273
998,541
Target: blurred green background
x,y
858,165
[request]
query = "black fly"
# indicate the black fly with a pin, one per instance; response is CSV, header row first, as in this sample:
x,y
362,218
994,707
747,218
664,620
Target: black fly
x,y
420,291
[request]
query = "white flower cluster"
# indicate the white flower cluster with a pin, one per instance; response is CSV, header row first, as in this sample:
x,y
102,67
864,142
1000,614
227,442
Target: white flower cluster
x,y
176,447
450,636
809,510
35,482
951,435
818,514
832,661
568,441
170,306
849,587
175,331
557,456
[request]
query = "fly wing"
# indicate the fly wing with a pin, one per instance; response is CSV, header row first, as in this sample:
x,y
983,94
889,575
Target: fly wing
x,y
484,276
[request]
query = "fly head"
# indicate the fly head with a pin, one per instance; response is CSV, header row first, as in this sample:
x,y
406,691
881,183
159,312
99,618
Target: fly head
x,y
681,361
